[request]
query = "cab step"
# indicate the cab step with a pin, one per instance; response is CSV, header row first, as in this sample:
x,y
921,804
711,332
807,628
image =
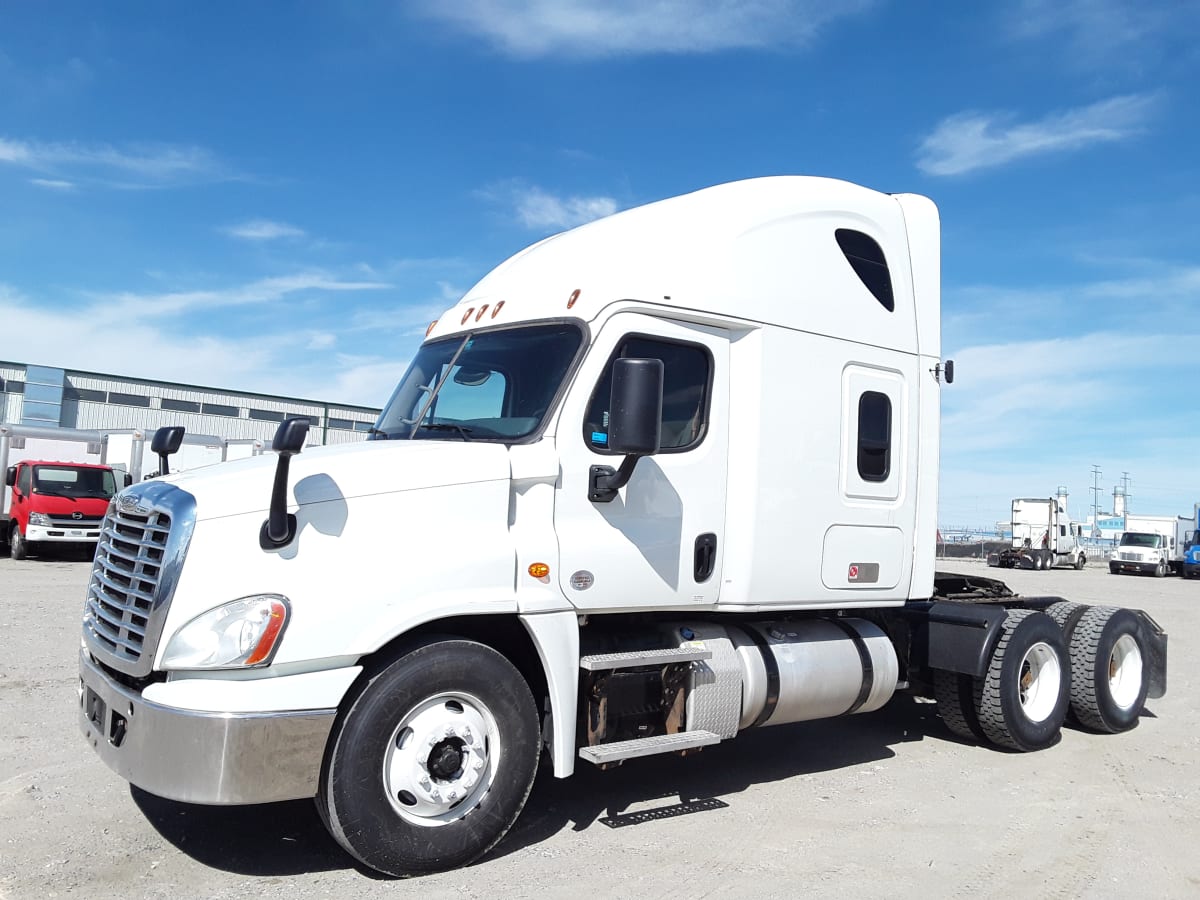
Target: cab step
x,y
619,751
632,658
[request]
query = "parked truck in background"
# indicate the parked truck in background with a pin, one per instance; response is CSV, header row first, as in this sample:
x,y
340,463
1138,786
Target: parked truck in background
x,y
47,502
1043,536
1191,548
654,481
1150,545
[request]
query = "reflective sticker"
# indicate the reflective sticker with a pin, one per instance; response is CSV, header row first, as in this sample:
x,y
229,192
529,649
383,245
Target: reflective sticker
x,y
599,437
582,580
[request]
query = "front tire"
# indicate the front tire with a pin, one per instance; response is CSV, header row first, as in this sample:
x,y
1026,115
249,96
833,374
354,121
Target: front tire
x,y
432,761
1023,699
1109,677
18,547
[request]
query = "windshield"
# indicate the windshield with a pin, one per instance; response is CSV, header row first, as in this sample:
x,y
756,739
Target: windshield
x,y
1137,539
66,481
487,386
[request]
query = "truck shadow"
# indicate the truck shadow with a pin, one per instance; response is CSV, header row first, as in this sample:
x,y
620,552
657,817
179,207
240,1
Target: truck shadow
x,y
289,839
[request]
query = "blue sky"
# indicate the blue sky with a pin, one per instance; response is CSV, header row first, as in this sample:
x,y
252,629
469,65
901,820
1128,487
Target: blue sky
x,y
278,197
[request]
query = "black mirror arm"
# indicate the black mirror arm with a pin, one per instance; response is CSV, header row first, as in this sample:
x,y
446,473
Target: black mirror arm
x,y
604,481
280,527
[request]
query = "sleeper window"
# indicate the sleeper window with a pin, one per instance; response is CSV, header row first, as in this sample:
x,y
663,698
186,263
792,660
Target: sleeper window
x,y
874,436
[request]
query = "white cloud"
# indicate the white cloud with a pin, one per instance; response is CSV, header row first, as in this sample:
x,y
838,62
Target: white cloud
x,y
129,166
263,230
591,28
1107,33
538,209
53,184
290,363
264,290
968,141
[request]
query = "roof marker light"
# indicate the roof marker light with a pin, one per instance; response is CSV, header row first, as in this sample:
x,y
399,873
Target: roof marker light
x,y
496,308
574,296
432,325
466,316
482,310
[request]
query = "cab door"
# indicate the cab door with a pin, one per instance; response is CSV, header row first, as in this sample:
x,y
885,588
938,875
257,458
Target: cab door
x,y
659,542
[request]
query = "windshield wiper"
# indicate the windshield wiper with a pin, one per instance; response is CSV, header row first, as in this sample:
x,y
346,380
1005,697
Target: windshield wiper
x,y
447,426
383,435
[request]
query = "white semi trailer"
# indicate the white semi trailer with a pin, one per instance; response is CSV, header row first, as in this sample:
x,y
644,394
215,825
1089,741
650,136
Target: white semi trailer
x,y
652,482
1043,536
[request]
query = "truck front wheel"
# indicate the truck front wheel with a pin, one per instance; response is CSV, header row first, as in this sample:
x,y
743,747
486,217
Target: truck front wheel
x,y
18,547
432,761
1022,701
1108,674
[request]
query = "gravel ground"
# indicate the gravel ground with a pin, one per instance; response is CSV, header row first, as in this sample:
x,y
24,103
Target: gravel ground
x,y
884,804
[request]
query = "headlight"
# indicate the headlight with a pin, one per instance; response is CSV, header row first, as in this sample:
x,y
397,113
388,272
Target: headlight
x,y
239,634
39,519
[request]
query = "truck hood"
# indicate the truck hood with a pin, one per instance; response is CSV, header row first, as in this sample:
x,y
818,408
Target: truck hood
x,y
342,472
64,506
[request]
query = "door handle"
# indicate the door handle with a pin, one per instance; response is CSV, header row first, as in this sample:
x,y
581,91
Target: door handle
x,y
705,557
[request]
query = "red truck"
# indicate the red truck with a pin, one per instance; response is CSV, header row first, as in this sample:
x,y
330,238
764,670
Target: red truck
x,y
61,503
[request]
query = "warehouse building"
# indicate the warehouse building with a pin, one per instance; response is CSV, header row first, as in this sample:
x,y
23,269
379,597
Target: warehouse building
x,y
49,397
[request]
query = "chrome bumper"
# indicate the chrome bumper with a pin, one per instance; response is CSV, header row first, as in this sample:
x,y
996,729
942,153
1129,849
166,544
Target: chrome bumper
x,y
201,757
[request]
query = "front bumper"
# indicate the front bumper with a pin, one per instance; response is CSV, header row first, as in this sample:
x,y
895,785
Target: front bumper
x,y
61,534
1125,565
201,757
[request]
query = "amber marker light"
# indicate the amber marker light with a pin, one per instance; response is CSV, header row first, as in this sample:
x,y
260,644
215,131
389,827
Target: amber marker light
x,y
539,570
574,296
432,325
482,310
266,643
466,316
496,308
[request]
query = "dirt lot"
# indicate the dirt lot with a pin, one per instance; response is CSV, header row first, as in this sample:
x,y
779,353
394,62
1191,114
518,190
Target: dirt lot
x,y
885,804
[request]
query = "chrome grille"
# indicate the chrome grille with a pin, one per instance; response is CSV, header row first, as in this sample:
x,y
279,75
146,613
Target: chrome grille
x,y
1130,557
141,547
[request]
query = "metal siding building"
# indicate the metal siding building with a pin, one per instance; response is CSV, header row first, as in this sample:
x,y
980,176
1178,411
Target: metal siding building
x,y
66,398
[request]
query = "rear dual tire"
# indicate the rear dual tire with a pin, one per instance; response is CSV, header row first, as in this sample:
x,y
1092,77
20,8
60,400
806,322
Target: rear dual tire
x,y
1022,700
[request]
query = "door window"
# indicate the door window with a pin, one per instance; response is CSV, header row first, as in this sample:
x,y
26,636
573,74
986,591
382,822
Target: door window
x,y
687,386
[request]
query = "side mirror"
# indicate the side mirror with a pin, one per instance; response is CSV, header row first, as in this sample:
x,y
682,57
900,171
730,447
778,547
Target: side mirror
x,y
635,411
280,527
290,436
949,371
166,441
634,423
10,476
128,479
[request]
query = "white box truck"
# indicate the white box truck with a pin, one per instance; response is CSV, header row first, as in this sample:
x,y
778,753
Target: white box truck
x,y
1151,545
652,482
1043,536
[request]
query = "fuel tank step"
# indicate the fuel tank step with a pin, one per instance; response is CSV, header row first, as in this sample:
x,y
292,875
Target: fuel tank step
x,y
631,658
661,743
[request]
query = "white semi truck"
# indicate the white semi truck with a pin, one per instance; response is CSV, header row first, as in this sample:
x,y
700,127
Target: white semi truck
x,y
654,481
1043,536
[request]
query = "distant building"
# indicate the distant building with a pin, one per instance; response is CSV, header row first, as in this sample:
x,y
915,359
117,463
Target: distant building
x,y
68,398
